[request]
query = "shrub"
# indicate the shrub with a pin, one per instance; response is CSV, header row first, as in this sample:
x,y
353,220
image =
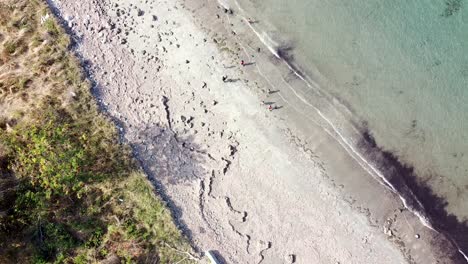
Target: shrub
x,y
51,162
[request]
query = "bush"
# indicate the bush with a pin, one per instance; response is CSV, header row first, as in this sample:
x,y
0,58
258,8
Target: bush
x,y
51,163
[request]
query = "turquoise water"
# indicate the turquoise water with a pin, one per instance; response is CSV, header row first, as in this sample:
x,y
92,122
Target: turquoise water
x,y
400,66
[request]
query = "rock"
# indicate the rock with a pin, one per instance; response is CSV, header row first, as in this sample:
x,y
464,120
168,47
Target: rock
x,y
388,232
417,236
291,258
155,18
140,12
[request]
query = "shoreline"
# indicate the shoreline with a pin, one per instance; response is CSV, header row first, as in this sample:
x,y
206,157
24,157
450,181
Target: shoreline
x,y
203,184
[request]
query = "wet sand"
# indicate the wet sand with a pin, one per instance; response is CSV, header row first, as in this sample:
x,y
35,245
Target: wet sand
x,y
254,185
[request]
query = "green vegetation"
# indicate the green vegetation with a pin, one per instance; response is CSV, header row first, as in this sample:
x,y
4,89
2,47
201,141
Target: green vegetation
x,y
69,191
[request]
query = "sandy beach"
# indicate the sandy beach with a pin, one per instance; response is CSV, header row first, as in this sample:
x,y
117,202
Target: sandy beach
x,y
251,184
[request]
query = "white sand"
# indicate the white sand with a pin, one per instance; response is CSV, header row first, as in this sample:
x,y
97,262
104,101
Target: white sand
x,y
253,185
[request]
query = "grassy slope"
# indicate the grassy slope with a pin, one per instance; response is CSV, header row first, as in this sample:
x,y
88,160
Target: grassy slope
x,y
69,192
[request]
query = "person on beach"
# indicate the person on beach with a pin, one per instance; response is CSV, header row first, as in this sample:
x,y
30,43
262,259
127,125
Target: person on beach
x,y
224,78
270,108
242,62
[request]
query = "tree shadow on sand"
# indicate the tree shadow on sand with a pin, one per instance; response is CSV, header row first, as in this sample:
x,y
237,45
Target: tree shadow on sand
x,y
169,159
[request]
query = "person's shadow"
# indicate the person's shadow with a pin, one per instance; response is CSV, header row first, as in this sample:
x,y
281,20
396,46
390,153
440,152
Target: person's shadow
x,y
273,92
232,80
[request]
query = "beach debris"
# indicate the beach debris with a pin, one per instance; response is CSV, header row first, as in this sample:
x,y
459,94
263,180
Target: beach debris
x,y
45,18
9,129
69,20
212,257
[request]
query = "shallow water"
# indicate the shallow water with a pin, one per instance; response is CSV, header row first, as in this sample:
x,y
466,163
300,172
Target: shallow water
x,y
399,66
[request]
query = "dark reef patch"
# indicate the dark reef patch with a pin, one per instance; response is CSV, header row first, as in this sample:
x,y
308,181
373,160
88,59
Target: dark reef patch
x,y
418,195
284,52
452,7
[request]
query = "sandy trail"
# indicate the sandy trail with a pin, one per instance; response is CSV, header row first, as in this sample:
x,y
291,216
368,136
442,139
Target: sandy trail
x,y
254,185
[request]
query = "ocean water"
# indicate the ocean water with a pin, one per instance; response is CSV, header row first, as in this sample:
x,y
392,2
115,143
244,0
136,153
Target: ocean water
x,y
399,67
